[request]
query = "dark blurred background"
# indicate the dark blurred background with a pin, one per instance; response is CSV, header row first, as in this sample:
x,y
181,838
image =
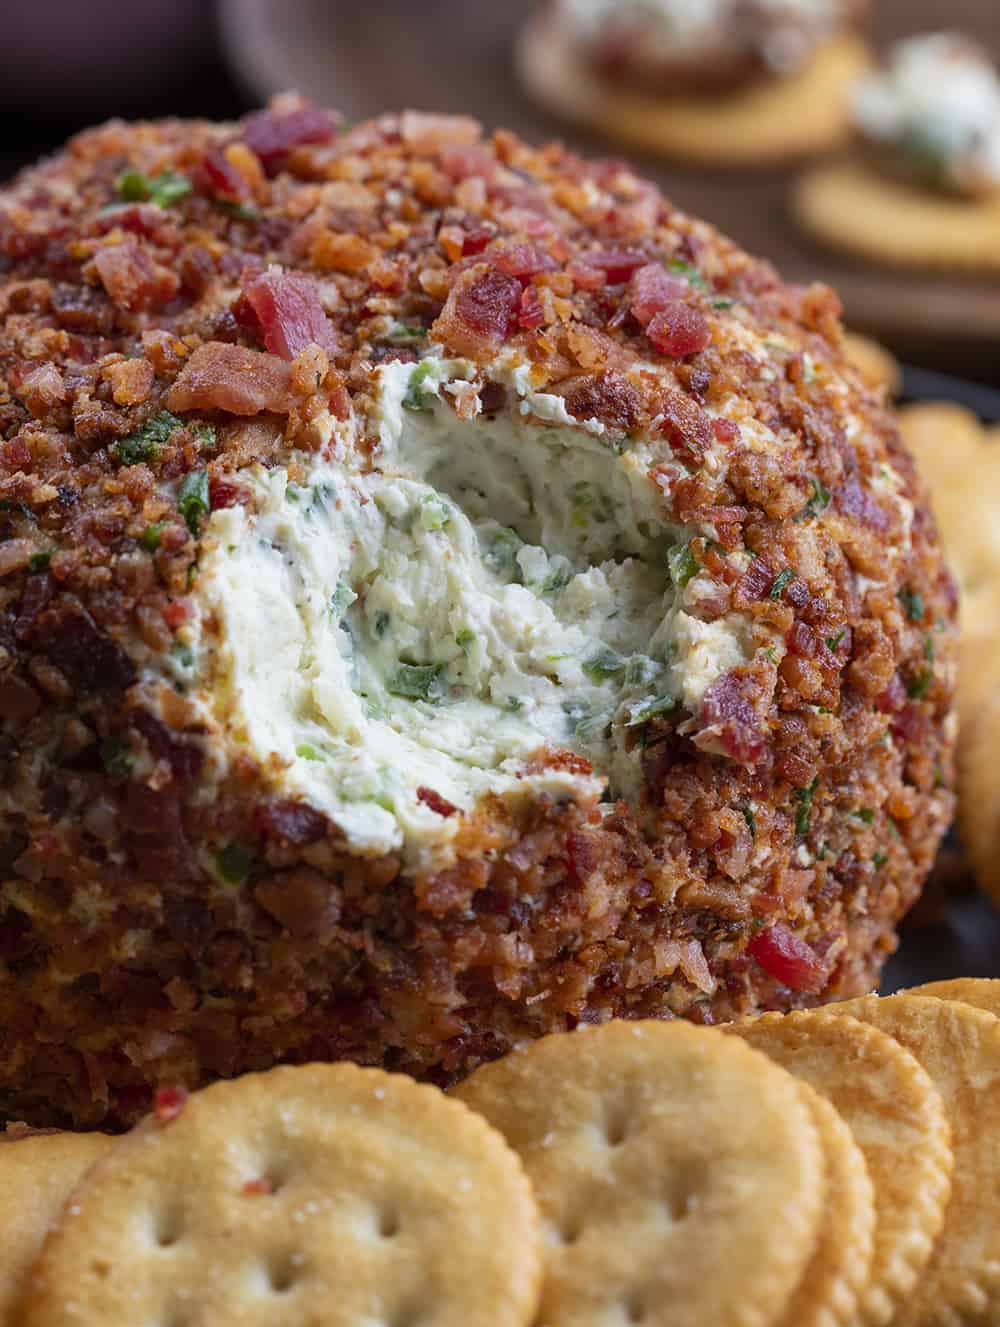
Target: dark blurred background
x,y
67,64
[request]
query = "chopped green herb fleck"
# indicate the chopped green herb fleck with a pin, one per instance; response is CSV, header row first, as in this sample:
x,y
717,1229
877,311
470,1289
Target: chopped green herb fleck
x,y
416,681
604,664
557,580
513,704
341,599
239,210
588,501
929,648
150,537
40,561
183,654
819,498
417,397
321,496
501,556
894,828
879,860
307,752
192,499
723,303
804,797
782,579
117,759
864,813
833,642
694,277
145,442
682,565
233,863
918,686
644,710
205,435
381,622
751,820
465,637
163,189
192,575
406,334
640,669
434,514
913,604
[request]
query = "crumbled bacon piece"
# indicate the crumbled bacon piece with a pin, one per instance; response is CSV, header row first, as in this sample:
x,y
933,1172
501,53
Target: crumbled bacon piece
x,y
273,134
222,492
436,802
289,822
522,260
893,698
289,312
729,716
856,502
261,1187
531,314
476,240
679,330
128,274
685,426
219,376
223,179
480,312
608,397
789,959
617,265
652,290
168,1103
726,430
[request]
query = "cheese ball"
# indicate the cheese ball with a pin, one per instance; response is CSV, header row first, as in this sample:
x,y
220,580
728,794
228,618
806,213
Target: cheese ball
x,y
448,595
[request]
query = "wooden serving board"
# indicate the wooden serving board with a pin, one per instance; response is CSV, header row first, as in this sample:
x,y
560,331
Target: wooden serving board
x,y
455,55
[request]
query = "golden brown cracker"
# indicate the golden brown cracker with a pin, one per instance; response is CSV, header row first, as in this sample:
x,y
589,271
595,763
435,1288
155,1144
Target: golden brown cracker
x,y
829,1292
959,1046
774,120
664,1166
38,1172
319,1194
960,462
849,206
878,367
980,992
897,1118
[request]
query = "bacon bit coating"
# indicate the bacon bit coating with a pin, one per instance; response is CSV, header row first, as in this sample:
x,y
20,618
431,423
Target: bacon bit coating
x,y
150,933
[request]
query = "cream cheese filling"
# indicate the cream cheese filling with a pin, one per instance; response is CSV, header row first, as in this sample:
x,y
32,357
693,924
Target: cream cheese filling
x,y
428,619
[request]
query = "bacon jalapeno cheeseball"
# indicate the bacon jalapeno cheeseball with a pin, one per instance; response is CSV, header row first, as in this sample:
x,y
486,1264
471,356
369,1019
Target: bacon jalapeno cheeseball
x,y
448,595
679,46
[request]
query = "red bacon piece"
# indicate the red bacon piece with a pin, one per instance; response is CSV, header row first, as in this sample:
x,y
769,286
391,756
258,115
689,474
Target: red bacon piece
x,y
652,290
789,959
728,715
224,180
679,330
273,134
290,314
480,312
219,376
436,802
522,261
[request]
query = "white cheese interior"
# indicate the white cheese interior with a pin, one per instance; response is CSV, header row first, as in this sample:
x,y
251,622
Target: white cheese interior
x,y
489,588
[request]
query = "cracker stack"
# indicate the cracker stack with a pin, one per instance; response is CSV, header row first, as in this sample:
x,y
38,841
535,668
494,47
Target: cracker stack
x,y
829,1168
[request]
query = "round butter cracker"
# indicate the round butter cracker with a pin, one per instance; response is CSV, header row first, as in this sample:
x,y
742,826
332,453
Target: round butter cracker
x,y
980,992
848,205
959,1046
841,1265
681,1181
771,121
38,1172
898,1120
322,1194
